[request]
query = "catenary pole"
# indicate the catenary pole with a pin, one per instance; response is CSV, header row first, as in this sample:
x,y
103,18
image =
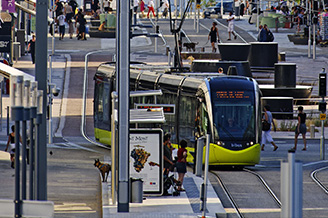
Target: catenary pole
x,y
123,74
41,46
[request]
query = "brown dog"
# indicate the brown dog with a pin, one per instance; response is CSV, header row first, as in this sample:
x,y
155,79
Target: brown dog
x,y
190,46
103,168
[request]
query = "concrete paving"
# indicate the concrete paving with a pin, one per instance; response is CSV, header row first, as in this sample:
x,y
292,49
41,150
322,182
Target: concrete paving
x,y
74,183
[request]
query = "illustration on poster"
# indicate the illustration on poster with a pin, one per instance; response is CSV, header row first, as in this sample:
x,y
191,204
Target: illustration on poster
x,y
140,157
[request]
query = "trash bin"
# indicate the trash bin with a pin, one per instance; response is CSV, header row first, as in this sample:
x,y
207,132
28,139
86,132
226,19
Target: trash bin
x,y
17,51
136,190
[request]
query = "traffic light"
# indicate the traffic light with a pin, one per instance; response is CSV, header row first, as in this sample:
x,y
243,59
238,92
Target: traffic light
x,y
322,106
322,83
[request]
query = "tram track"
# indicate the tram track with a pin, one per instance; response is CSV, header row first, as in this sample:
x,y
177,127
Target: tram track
x,y
236,200
315,178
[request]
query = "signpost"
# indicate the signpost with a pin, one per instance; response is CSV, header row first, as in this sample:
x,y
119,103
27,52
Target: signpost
x,y
322,108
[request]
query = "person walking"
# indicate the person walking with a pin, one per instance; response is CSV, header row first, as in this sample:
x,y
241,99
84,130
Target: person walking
x,y
11,146
31,48
61,22
165,8
300,128
263,34
266,136
214,36
182,163
142,8
151,8
231,24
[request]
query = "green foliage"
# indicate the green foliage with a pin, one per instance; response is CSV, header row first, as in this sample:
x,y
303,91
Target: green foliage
x,y
287,125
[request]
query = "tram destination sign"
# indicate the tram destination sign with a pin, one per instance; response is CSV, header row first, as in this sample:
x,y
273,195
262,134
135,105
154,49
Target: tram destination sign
x,y
231,95
167,108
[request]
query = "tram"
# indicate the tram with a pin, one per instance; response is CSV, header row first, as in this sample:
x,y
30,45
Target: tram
x,y
226,107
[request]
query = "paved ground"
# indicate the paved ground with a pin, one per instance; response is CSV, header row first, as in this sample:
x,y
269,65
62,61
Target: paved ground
x,y
74,183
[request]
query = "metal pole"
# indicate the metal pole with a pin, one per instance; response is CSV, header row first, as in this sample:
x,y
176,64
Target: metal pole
x,y
8,117
309,25
207,155
33,113
195,16
41,76
222,8
50,139
24,136
113,150
258,16
197,21
17,112
322,141
123,74
156,27
314,42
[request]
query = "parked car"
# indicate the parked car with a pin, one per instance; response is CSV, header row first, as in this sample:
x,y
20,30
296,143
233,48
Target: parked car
x,y
227,7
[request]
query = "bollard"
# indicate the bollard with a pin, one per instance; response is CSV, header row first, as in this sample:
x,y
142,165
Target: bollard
x,y
136,190
167,50
312,131
291,187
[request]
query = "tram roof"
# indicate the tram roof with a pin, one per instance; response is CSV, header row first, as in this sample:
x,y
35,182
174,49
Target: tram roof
x,y
8,71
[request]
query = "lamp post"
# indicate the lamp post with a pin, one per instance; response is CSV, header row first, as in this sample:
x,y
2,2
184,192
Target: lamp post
x,y
33,113
26,117
17,112
39,110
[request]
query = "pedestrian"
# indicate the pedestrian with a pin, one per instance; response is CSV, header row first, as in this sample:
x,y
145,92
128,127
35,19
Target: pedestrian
x,y
106,5
74,5
151,8
182,163
61,22
168,162
142,8
166,8
300,128
242,8
214,36
58,8
269,34
258,35
68,12
31,48
220,70
263,34
266,136
11,146
70,28
102,26
135,9
231,24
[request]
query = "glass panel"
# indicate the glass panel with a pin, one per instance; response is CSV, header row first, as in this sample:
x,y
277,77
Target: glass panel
x,y
233,115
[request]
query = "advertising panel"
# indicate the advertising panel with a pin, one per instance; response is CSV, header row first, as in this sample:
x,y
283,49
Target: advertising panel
x,y
5,43
146,159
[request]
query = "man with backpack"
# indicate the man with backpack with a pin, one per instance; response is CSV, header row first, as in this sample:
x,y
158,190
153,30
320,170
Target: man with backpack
x,y
269,35
265,34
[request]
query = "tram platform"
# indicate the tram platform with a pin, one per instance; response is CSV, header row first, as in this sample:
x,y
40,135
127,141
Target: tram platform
x,y
186,205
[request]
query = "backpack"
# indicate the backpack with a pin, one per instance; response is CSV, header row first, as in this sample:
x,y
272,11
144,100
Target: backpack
x,y
270,36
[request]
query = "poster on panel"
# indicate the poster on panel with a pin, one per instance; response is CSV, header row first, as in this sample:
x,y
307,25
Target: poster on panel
x,y
146,159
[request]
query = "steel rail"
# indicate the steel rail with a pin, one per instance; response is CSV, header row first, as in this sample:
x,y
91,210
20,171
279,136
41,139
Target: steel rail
x,y
84,101
229,196
316,180
266,186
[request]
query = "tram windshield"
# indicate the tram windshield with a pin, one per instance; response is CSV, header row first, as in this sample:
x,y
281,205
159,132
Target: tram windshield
x,y
233,115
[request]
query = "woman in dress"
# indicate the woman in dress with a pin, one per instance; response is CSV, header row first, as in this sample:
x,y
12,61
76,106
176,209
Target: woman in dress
x,y
214,36
182,163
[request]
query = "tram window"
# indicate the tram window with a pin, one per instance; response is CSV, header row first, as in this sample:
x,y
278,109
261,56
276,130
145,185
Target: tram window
x,y
234,118
102,102
201,121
